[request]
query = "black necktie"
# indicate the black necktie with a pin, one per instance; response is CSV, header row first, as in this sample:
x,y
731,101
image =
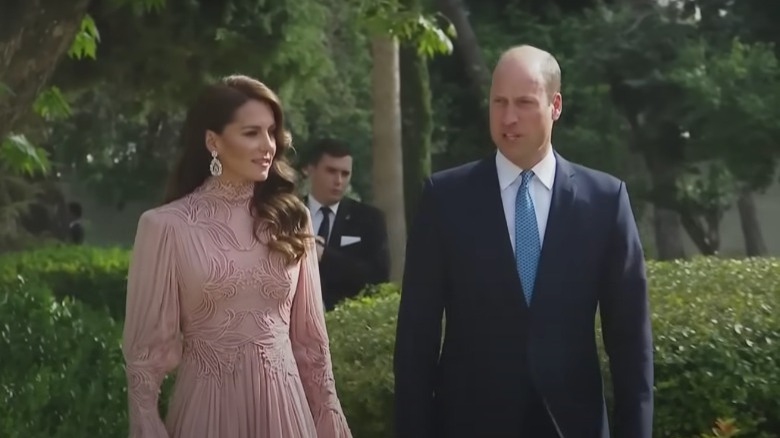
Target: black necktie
x,y
325,225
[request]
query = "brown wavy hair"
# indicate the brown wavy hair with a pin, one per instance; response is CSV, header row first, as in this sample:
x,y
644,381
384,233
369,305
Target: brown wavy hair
x,y
275,205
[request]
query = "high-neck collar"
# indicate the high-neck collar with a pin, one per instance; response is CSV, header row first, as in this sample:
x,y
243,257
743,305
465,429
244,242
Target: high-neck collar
x,y
229,190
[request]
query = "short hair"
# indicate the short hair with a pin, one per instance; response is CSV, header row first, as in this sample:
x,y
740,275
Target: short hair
x,y
551,74
549,69
327,146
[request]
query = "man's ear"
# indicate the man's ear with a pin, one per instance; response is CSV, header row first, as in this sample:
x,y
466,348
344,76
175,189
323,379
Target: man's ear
x,y
557,106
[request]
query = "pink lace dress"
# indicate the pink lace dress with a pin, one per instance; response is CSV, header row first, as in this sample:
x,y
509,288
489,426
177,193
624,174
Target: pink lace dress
x,y
244,330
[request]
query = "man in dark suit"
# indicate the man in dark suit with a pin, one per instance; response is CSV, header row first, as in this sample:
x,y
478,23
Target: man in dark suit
x,y
518,251
351,235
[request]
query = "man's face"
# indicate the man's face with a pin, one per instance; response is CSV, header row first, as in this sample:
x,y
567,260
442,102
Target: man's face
x,y
329,178
521,112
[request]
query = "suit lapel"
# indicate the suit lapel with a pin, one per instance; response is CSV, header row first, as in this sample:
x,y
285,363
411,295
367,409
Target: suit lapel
x,y
488,201
343,216
556,234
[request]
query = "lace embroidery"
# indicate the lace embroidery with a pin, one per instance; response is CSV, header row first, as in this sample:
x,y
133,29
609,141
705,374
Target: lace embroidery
x,y
234,303
234,193
217,336
218,351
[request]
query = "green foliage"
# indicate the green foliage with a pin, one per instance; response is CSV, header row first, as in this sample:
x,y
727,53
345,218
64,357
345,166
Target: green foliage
x,y
723,429
51,104
19,155
412,26
361,333
95,276
16,196
717,345
694,105
732,107
86,40
128,106
61,372
709,188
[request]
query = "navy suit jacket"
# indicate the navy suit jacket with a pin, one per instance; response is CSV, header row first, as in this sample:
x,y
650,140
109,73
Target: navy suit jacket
x,y
497,350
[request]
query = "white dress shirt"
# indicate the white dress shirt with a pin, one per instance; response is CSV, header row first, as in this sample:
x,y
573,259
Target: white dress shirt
x,y
317,216
540,188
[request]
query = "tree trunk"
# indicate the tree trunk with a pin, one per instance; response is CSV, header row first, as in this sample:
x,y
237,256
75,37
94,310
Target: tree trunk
x,y
667,223
668,234
755,246
467,45
387,171
704,233
34,34
417,126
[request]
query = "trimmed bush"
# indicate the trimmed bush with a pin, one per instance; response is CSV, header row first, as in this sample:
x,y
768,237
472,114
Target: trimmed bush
x,y
61,371
362,335
95,276
717,347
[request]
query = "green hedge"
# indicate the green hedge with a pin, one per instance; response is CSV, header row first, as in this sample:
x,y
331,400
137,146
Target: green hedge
x,y
94,276
717,346
60,367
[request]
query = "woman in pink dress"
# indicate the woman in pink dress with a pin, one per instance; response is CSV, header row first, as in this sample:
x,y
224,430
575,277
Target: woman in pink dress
x,y
224,286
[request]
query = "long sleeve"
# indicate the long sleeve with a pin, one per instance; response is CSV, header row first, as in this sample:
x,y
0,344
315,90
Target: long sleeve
x,y
626,330
312,351
151,343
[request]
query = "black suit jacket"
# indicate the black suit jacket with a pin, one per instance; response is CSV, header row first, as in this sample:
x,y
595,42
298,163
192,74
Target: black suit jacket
x,y
346,270
497,350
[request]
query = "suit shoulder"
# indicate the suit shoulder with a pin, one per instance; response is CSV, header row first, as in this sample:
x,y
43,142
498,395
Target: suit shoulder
x,y
454,173
453,177
597,180
363,209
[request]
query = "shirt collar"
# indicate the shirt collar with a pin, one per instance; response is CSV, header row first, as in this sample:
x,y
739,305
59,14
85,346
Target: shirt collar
x,y
314,206
508,172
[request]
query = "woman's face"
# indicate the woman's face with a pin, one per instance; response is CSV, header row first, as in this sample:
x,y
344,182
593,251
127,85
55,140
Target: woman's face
x,y
247,145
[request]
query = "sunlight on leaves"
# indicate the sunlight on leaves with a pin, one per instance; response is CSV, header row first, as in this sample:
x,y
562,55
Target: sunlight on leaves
x,y
85,42
21,155
411,26
51,104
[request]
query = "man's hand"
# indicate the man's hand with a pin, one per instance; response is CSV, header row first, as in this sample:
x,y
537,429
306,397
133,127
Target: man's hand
x,y
320,247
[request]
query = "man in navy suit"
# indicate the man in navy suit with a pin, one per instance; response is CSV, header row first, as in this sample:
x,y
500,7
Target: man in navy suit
x,y
517,251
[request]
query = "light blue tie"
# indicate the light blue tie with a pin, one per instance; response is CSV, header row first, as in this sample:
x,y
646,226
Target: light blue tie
x,y
527,245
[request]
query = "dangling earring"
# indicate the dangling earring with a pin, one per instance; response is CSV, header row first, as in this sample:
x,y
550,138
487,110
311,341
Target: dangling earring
x,y
216,166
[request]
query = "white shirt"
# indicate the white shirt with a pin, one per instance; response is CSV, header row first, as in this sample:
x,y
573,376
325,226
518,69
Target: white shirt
x,y
317,216
540,188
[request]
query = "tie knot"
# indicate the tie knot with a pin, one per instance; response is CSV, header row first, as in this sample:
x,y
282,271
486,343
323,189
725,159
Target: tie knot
x,y
326,210
526,176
